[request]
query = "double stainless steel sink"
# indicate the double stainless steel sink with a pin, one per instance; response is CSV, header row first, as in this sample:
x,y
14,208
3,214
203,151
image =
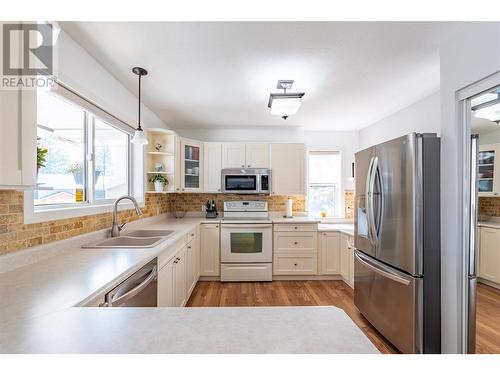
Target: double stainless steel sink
x,y
142,238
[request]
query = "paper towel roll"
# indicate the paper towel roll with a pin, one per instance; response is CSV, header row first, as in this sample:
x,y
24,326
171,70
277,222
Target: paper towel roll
x,y
289,205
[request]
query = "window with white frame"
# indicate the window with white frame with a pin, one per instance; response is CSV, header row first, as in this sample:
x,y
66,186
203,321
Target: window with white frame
x,y
87,158
325,178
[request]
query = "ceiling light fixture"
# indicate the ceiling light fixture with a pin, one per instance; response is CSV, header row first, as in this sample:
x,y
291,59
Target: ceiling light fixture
x,y
285,104
139,136
489,110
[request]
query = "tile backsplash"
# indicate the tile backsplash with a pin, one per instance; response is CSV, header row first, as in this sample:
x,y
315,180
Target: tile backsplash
x,y
15,235
193,201
489,206
349,204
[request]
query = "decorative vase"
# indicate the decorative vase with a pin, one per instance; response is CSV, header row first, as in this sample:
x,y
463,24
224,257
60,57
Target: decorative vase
x,y
158,186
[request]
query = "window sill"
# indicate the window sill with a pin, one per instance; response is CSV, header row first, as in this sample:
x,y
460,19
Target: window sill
x,y
33,215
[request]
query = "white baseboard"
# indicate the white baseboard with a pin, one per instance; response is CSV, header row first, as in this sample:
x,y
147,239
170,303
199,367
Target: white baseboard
x,y
489,283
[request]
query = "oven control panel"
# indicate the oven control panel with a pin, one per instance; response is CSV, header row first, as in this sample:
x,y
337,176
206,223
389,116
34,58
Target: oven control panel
x,y
245,206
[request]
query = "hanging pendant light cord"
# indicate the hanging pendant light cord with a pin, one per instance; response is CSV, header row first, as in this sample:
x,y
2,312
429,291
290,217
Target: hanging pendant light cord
x,y
139,121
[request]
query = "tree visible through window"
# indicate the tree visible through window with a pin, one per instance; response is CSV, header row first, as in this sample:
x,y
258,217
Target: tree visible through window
x,y
325,173
87,159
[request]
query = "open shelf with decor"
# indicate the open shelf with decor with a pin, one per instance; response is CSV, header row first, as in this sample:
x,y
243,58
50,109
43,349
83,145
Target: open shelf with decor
x,y
160,160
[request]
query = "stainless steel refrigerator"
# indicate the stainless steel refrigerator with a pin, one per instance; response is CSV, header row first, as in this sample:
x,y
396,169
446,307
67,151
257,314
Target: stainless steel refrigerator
x,y
397,241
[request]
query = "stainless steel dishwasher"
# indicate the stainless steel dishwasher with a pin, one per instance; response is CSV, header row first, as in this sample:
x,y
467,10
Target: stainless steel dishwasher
x,y
139,290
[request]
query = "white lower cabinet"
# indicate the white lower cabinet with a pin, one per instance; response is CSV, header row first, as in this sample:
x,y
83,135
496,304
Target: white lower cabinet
x,y
489,254
347,259
210,250
172,281
193,260
166,285
180,279
329,253
295,249
178,274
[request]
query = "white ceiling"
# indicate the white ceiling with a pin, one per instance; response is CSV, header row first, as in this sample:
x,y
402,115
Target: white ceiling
x,y
220,74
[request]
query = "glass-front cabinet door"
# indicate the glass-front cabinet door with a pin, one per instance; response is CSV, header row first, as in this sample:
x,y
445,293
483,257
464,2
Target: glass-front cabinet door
x,y
488,170
191,165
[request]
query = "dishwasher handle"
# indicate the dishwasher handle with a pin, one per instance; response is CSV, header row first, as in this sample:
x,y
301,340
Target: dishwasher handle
x,y
118,300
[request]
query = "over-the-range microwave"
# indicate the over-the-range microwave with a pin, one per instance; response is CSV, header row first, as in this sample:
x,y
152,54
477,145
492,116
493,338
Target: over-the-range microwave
x,y
246,180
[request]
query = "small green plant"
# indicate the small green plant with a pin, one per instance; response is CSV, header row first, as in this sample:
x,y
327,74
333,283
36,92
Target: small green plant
x,y
159,178
41,155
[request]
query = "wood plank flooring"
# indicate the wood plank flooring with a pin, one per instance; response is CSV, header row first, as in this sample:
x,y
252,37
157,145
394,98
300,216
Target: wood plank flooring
x,y
337,293
287,293
488,320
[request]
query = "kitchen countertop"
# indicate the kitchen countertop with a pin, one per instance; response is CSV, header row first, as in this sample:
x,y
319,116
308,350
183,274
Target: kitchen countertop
x,y
189,330
346,228
38,313
489,224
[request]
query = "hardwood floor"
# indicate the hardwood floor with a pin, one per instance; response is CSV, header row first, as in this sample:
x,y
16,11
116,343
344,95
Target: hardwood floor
x,y
488,320
337,293
287,293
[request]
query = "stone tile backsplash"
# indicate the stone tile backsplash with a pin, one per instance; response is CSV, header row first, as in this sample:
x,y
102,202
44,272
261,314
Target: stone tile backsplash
x,y
489,206
15,235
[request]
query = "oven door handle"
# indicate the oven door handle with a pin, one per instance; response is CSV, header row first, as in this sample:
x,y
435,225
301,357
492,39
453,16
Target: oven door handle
x,y
245,226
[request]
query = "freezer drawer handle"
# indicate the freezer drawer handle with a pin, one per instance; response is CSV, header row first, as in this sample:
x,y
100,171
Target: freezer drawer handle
x,y
133,292
383,272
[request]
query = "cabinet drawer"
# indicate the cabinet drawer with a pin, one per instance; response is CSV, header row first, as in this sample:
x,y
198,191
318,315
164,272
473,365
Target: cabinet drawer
x,y
295,264
292,241
164,257
296,227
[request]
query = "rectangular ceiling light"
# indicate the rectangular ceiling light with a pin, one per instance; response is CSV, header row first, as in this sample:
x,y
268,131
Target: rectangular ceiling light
x,y
489,110
285,104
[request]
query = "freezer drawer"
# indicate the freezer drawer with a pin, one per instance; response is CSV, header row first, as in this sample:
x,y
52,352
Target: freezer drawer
x,y
391,301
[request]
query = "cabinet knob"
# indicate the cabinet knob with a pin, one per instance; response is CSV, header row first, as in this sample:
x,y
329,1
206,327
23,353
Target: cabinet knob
x,y
295,264
248,166
218,189
192,234
189,247
295,243
176,261
243,166
296,227
217,226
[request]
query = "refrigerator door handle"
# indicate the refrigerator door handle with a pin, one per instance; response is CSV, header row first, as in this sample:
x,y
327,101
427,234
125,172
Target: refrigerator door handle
x,y
369,200
380,269
473,204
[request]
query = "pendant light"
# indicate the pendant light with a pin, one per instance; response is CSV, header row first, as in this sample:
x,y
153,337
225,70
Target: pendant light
x,y
139,136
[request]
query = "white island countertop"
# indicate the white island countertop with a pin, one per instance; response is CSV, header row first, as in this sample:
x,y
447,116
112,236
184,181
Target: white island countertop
x,y
39,313
189,330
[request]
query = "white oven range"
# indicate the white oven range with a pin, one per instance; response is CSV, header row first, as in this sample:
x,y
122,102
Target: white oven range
x,y
246,242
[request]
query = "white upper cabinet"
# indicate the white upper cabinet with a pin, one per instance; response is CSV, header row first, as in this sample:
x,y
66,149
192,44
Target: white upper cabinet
x,y
257,155
191,165
17,138
288,168
241,155
233,155
489,170
213,165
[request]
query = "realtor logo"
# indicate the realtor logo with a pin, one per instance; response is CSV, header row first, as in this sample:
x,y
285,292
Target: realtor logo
x,y
27,55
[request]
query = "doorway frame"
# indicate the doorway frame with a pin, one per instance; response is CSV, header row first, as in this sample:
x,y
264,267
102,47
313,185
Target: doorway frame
x,y
463,101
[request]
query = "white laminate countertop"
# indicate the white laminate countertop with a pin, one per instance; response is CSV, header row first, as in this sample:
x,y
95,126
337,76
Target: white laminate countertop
x,y
38,313
189,330
337,227
489,224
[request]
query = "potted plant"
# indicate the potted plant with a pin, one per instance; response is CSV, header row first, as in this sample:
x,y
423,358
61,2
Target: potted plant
x,y
159,181
41,156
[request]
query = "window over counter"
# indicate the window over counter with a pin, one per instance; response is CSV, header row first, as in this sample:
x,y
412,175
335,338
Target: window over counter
x,y
86,156
325,181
